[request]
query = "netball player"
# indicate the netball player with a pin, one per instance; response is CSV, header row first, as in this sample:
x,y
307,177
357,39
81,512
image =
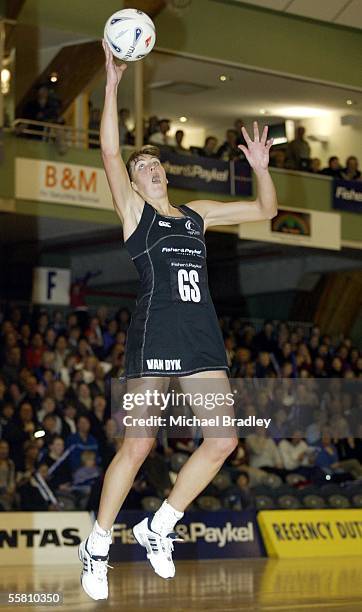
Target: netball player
x,y
174,330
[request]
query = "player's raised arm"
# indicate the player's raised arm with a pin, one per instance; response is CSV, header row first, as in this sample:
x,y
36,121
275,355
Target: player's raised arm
x,y
264,207
118,179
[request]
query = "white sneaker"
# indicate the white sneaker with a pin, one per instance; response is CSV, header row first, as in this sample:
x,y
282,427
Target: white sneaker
x,y
94,575
159,548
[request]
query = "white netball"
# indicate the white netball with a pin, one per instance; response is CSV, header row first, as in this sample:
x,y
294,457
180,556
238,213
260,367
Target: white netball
x,y
130,34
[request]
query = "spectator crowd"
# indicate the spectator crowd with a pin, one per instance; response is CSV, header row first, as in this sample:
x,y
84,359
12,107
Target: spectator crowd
x,y
58,434
46,107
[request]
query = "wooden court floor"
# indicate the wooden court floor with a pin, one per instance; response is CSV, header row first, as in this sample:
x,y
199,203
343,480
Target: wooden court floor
x,y
311,585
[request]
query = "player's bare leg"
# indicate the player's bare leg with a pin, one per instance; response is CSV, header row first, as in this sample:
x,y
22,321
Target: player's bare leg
x,y
120,475
209,457
194,476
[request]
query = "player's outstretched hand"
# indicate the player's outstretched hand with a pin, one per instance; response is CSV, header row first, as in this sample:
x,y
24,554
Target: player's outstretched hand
x,y
257,151
114,71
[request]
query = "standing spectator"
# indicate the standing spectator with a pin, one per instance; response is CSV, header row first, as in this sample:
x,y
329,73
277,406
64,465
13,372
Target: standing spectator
x,y
351,172
209,148
298,152
45,107
334,168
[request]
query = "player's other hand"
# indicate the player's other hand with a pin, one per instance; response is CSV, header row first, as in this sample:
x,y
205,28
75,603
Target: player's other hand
x,y
257,150
114,71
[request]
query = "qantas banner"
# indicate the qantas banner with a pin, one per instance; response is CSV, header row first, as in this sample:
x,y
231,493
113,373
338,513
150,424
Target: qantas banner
x,y
204,174
206,535
347,195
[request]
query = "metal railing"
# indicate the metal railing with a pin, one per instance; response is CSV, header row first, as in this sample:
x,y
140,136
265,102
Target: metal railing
x,y
59,133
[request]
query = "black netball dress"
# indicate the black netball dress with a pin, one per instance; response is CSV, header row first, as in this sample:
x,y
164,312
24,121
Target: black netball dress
x,y
174,330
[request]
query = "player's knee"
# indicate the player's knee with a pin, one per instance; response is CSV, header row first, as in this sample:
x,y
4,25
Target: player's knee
x,y
221,448
138,449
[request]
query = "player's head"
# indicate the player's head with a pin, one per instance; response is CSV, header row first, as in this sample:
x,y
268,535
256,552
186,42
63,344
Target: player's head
x,y
146,173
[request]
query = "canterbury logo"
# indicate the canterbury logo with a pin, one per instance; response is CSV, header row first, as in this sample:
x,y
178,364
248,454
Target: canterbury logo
x,y
164,224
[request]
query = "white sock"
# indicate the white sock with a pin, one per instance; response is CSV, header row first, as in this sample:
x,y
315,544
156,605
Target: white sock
x,y
99,540
165,519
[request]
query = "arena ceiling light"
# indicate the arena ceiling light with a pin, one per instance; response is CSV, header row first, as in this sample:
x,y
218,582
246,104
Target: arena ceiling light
x,y
183,119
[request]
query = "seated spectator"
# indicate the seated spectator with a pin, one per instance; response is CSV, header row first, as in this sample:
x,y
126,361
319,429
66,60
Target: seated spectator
x,y
278,427
239,496
315,165
93,333
111,442
351,172
80,441
263,451
84,477
298,152
178,147
334,168
265,339
35,494
299,458
27,462
12,366
22,431
156,474
277,159
208,150
161,138
98,418
48,407
264,367
229,149
109,336
34,353
69,419
59,474
32,394
240,362
62,350
327,459
7,478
